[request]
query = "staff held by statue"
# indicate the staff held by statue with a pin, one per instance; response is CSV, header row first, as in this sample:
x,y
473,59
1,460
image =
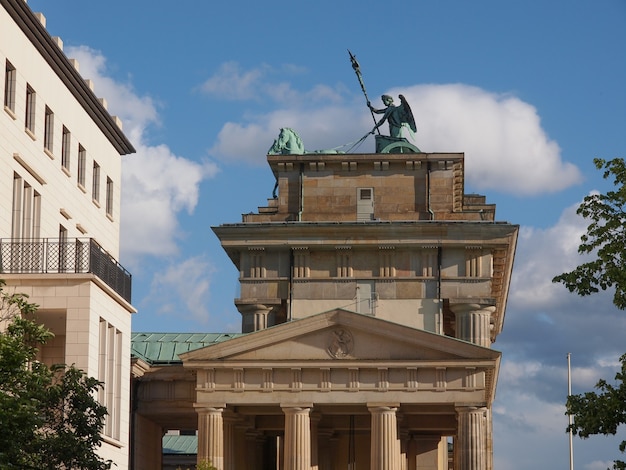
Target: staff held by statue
x,y
357,70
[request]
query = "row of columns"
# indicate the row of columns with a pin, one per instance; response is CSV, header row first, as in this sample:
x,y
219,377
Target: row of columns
x,y
216,439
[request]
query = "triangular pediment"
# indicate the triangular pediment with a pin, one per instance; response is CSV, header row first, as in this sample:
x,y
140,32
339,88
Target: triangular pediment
x,y
341,335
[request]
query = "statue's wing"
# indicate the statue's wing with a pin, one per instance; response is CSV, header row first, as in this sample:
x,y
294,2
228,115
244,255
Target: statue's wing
x,y
407,114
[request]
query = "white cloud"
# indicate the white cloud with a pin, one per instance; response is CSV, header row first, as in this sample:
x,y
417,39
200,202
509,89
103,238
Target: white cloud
x,y
182,290
232,83
156,184
532,275
505,146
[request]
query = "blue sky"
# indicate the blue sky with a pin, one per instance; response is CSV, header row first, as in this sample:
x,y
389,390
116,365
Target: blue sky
x,y
530,91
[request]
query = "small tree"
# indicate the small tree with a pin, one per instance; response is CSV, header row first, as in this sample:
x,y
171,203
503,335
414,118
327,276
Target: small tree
x,y
602,413
49,416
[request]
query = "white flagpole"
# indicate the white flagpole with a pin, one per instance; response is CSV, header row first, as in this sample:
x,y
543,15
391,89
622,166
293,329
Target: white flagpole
x,y
569,393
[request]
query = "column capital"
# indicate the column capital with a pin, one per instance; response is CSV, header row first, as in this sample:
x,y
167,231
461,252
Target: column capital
x,y
471,408
373,406
458,307
209,408
296,406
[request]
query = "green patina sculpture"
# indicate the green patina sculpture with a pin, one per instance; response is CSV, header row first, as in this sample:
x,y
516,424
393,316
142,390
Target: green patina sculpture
x,y
396,116
289,142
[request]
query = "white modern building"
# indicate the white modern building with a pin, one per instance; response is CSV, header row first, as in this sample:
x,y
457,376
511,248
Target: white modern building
x,y
60,176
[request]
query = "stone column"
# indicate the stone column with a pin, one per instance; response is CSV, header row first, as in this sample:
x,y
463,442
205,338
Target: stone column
x,y
473,322
385,448
254,317
297,437
471,440
211,436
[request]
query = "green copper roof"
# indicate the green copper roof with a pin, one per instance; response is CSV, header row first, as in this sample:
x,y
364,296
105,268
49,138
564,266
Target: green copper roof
x,y
164,348
186,445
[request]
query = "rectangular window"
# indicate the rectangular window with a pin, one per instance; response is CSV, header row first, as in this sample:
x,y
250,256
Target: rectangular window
x,y
26,220
82,161
26,255
29,120
9,86
110,373
95,183
365,204
48,130
63,249
109,200
66,143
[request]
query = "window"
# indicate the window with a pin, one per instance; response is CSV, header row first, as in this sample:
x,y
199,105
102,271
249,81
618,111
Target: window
x,y
9,86
26,220
110,373
29,120
95,183
63,248
25,255
365,204
66,143
82,161
48,130
109,200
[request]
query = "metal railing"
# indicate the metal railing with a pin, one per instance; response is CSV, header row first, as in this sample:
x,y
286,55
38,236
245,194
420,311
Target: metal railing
x,y
72,255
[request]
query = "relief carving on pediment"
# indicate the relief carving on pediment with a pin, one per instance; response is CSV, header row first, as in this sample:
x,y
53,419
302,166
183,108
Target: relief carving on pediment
x,y
341,343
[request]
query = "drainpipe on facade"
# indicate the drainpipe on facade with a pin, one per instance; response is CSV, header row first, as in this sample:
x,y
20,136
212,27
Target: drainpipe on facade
x,y
290,286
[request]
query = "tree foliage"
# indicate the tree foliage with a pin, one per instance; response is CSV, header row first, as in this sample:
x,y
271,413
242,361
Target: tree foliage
x,y
49,416
605,238
604,411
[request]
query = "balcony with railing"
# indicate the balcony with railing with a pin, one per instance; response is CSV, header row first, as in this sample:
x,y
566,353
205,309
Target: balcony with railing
x,y
58,256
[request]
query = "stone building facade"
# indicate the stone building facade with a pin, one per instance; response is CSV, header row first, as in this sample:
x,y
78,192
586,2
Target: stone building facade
x,y
372,289
60,181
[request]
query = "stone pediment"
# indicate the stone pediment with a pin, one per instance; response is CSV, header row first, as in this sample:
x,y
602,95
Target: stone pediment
x,y
340,335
